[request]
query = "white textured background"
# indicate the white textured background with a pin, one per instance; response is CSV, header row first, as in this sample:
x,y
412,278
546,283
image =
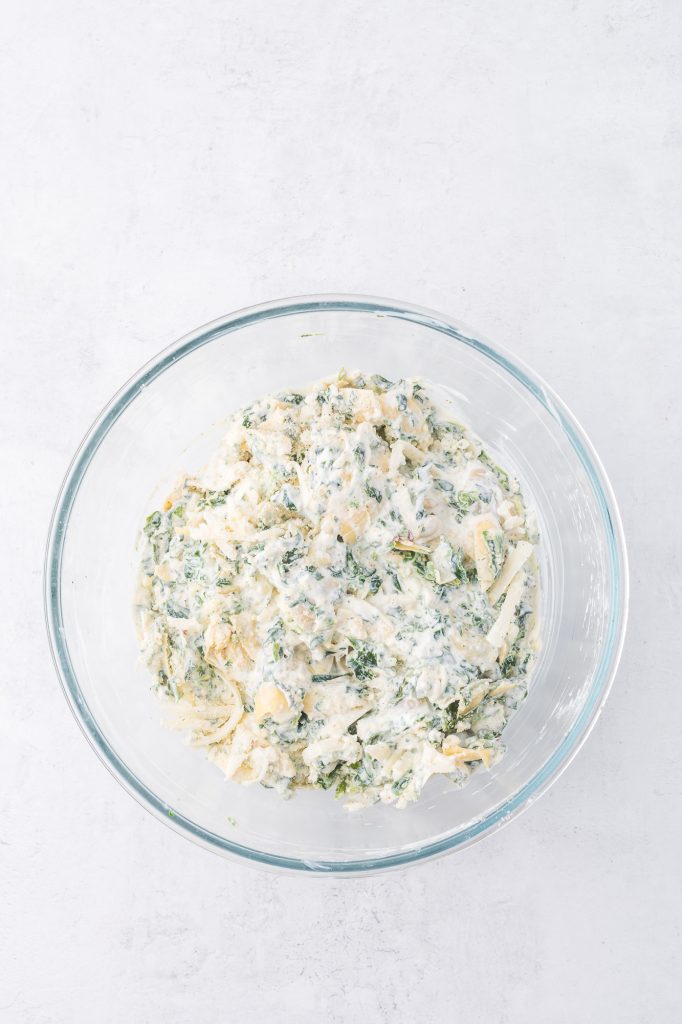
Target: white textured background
x,y
516,165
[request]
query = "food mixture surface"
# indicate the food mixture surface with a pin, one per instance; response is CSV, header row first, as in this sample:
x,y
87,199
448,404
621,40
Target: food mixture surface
x,y
344,597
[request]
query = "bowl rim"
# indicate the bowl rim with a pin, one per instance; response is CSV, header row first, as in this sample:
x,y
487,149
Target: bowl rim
x,y
612,644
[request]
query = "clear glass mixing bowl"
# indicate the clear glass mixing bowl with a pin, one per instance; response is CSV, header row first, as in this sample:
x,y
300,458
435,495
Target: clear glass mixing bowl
x,y
169,417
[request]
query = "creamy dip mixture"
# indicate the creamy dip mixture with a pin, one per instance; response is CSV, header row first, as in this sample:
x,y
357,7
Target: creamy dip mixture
x,y
344,597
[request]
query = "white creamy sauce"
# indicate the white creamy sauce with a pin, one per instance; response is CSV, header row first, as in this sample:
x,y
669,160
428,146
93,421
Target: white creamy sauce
x,y
345,597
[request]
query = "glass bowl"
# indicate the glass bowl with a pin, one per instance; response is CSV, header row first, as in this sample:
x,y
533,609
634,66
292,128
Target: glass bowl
x,y
170,416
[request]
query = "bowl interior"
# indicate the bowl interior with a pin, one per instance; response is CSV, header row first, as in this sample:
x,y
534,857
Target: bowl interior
x,y
169,420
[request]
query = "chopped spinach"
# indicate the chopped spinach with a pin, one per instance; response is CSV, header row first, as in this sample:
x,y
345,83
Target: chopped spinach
x,y
499,473
462,501
152,523
450,717
215,498
286,500
354,570
458,567
403,782
288,559
421,564
362,660
496,549
394,579
379,383
176,611
375,582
